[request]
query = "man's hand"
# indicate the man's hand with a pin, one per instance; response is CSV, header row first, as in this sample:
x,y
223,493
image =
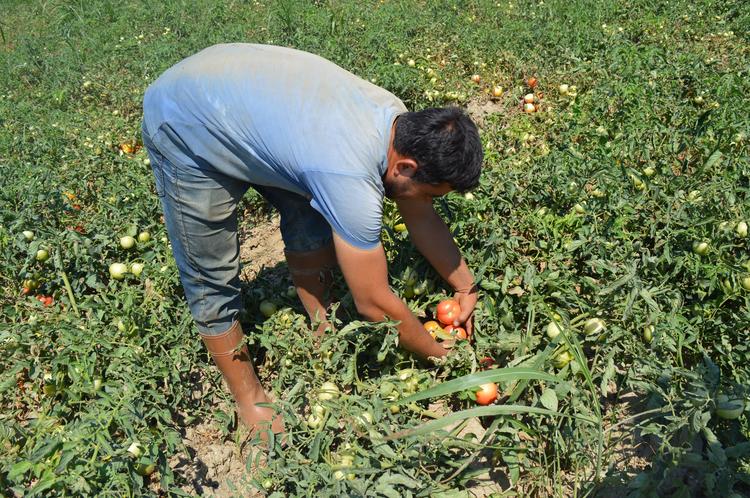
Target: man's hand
x,y
467,300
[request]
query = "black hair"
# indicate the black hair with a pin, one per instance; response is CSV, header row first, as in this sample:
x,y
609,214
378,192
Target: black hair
x,y
445,144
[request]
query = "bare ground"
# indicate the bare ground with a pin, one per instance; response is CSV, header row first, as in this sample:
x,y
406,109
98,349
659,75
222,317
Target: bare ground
x,y
261,247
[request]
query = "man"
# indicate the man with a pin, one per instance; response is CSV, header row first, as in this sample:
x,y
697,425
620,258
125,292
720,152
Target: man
x,y
324,147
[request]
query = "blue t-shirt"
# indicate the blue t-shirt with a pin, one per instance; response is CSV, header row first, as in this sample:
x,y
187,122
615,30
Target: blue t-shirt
x,y
284,118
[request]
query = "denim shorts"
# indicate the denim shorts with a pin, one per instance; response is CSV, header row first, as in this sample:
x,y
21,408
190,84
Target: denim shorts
x,y
200,212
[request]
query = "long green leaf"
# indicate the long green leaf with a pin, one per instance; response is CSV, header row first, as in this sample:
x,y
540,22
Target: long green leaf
x,y
477,379
481,411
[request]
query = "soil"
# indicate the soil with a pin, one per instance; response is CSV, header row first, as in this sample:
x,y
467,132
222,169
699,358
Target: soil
x,y
486,482
479,109
630,452
213,465
261,248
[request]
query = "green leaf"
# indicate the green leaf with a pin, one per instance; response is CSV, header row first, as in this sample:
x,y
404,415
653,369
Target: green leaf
x,y
713,159
19,469
548,399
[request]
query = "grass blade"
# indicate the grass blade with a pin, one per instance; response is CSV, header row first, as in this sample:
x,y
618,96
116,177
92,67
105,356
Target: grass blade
x,y
481,411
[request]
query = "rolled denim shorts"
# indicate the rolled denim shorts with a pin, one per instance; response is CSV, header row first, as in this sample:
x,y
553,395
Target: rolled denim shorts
x,y
200,212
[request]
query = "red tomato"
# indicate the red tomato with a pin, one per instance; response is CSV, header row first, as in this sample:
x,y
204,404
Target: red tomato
x,y
487,393
532,82
486,362
457,332
448,311
45,300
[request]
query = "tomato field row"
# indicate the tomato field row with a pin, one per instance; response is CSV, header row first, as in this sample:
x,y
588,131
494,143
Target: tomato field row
x,y
608,237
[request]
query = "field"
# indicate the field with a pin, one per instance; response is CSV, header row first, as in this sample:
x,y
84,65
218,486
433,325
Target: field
x,y
624,197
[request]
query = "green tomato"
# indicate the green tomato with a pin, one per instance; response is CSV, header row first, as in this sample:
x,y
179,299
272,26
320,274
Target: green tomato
x,y
144,236
313,421
727,286
637,182
364,420
328,391
42,255
553,330
145,469
741,229
420,288
127,242
561,359
700,248
136,269
386,388
406,373
594,326
745,282
135,449
28,235
729,409
31,284
649,171
579,209
268,308
118,270
319,410
648,333
409,276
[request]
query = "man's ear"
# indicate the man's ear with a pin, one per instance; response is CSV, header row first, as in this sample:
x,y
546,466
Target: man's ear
x,y
405,167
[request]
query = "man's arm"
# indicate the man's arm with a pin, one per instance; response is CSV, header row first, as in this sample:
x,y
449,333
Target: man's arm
x,y
433,239
366,274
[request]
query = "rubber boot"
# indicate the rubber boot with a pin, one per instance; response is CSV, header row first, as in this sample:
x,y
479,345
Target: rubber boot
x,y
312,274
237,368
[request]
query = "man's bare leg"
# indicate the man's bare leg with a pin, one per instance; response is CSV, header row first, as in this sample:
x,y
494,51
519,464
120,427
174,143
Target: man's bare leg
x,y
312,274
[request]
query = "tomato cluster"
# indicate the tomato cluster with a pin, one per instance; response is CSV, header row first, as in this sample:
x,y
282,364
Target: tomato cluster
x,y
447,314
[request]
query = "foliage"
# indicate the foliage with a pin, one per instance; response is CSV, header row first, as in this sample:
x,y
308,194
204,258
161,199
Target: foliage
x,y
587,208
